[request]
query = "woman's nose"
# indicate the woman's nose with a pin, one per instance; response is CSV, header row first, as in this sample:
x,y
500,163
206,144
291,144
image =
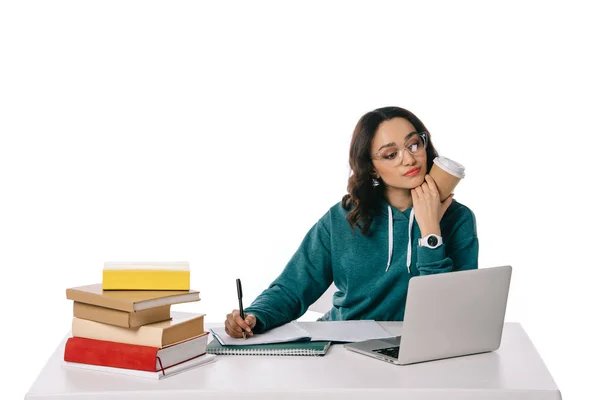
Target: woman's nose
x,y
407,158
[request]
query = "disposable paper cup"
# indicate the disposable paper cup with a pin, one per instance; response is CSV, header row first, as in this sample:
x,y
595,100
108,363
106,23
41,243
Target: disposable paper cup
x,y
446,174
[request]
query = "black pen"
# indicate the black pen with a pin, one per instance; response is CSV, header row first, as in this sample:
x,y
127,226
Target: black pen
x,y
239,290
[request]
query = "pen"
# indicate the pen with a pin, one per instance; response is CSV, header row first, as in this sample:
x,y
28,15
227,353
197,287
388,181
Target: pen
x,y
239,290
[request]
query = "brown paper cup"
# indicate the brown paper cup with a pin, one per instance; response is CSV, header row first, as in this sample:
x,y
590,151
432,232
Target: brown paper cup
x,y
446,174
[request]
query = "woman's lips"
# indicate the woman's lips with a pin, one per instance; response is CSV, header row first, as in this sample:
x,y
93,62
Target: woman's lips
x,y
413,172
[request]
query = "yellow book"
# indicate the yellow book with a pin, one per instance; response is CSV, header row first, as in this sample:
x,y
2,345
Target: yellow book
x,y
146,276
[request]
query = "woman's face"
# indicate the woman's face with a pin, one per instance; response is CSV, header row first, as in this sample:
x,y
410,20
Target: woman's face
x,y
397,167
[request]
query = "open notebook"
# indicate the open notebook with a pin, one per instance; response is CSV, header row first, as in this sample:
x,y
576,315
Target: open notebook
x,y
322,331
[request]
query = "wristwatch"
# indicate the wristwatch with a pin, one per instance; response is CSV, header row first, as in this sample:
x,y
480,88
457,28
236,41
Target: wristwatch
x,y
432,241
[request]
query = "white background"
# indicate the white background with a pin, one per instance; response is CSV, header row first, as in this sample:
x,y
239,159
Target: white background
x,y
219,133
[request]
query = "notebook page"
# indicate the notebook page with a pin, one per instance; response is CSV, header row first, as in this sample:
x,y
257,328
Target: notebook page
x,y
285,333
344,331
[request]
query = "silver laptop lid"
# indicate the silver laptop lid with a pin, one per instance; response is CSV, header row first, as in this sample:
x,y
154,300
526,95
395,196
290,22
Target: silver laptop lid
x,y
454,314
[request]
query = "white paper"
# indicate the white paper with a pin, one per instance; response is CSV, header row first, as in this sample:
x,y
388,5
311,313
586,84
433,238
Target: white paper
x,y
334,331
345,331
286,333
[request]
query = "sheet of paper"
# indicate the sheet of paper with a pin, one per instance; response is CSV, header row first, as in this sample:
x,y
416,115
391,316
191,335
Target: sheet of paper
x,y
344,331
286,333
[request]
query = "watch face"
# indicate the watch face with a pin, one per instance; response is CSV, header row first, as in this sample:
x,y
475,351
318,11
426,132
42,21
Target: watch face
x,y
432,241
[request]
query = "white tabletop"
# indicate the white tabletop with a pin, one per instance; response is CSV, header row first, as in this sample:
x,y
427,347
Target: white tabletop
x,y
515,371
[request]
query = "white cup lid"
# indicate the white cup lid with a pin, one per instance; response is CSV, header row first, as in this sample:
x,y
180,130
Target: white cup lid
x,y
451,167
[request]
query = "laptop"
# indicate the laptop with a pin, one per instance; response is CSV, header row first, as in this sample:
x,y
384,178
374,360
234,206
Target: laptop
x,y
447,315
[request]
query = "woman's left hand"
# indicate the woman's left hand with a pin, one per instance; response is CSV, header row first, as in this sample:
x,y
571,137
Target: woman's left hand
x,y
428,208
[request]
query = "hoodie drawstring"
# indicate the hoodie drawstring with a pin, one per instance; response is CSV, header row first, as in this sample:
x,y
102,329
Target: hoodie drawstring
x,y
391,238
409,250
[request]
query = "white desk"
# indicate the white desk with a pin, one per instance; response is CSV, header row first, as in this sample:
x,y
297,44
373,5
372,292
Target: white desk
x,y
514,372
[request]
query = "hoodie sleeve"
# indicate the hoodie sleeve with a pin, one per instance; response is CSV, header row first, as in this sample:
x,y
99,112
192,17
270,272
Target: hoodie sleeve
x,y
305,278
460,250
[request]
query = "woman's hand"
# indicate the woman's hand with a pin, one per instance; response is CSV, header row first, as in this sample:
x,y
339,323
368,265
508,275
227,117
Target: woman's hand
x,y
428,208
235,325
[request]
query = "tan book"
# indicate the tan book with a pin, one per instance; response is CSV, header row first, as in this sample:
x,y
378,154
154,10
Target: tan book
x,y
159,334
121,318
130,300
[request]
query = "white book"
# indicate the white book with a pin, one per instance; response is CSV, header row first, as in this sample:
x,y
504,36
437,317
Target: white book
x,y
170,371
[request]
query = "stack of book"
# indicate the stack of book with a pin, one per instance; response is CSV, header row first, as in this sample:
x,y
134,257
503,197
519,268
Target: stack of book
x,y
129,328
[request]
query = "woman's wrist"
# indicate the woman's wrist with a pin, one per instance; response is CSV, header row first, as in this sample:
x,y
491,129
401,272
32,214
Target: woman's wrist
x,y
433,230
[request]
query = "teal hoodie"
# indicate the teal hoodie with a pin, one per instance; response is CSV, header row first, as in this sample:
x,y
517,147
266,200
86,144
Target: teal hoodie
x,y
371,272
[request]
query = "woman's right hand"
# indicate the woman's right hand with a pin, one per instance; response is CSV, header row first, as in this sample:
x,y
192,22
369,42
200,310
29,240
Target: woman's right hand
x,y
235,325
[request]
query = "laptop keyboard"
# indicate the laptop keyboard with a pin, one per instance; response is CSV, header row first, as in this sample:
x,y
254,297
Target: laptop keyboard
x,y
389,351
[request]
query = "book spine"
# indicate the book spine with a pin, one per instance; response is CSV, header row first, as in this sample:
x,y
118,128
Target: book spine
x,y
137,279
110,354
143,336
121,318
101,314
95,299
195,362
183,330
149,316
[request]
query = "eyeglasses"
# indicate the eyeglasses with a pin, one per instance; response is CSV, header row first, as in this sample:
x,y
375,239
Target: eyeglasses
x,y
415,145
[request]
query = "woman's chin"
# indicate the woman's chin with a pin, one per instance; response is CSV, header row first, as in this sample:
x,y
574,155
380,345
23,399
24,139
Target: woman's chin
x,y
407,183
414,181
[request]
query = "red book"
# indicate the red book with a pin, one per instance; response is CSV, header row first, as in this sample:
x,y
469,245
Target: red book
x,y
131,356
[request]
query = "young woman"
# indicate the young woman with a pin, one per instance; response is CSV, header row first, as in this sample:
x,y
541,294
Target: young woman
x,y
368,244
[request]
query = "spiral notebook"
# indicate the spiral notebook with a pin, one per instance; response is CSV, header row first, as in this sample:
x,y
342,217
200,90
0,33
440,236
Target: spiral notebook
x,y
302,348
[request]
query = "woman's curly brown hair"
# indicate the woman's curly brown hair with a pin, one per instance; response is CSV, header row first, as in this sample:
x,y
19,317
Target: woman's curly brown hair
x,y
364,199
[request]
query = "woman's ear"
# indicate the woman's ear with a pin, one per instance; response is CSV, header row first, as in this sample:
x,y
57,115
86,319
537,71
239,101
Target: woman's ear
x,y
374,174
